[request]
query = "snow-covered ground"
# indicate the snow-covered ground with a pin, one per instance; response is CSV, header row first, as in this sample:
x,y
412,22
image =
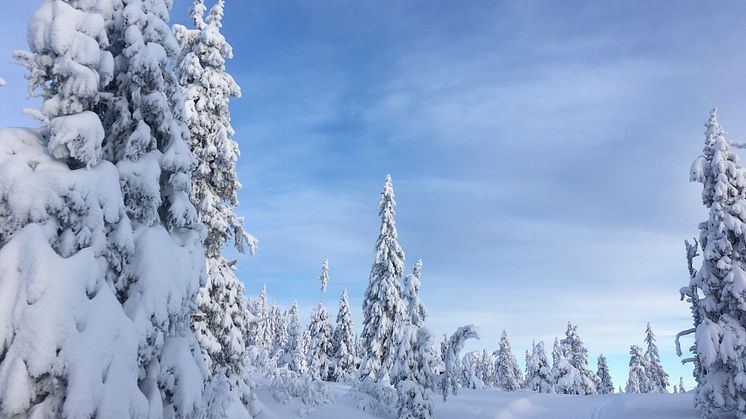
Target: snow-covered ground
x,y
495,404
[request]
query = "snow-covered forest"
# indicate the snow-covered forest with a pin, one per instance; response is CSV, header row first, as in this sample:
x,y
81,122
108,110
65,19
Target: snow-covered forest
x,y
120,296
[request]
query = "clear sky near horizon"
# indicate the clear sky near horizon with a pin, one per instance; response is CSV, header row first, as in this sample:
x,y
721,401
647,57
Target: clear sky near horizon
x,y
539,150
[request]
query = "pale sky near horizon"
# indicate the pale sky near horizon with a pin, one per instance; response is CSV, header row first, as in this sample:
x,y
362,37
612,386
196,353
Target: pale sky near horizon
x,y
539,150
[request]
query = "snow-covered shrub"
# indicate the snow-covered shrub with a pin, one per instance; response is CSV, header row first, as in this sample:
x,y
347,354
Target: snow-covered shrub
x,y
377,398
287,384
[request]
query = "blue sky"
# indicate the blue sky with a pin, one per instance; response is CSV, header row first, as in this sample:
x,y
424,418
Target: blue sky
x,y
539,150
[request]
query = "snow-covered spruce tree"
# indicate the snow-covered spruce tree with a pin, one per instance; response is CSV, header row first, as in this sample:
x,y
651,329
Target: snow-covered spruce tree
x,y
448,381
657,376
721,281
470,374
415,309
222,319
487,369
416,360
605,385
538,373
638,380
567,379
208,89
153,258
67,347
292,353
577,355
413,372
383,309
343,361
681,385
505,366
319,351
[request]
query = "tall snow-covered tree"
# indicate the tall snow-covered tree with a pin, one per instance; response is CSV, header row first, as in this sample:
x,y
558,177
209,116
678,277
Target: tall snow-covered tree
x,y
128,234
605,385
208,88
222,319
383,309
638,380
577,355
720,280
657,376
538,372
506,366
345,356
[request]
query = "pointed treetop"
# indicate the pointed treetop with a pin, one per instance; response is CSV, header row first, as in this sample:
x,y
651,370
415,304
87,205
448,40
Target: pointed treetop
x,y
197,13
324,277
713,126
216,14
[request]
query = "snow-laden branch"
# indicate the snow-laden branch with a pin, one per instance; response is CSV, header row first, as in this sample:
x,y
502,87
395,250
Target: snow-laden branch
x,y
679,335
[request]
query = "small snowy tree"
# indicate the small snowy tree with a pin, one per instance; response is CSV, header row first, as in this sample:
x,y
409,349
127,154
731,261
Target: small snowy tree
x,y
344,342
413,372
487,369
320,347
538,372
449,379
412,283
293,355
505,366
681,385
638,380
383,309
577,355
657,376
567,379
470,371
605,385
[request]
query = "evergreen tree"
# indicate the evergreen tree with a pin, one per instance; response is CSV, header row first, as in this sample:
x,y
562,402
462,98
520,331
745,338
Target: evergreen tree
x,y
719,323
487,369
383,309
681,385
208,89
605,386
320,347
638,380
344,342
128,230
416,310
567,379
577,355
448,381
222,319
293,355
657,376
505,366
319,351
538,372
470,373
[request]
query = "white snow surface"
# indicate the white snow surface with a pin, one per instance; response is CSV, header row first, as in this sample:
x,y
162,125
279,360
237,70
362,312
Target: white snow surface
x,y
497,404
